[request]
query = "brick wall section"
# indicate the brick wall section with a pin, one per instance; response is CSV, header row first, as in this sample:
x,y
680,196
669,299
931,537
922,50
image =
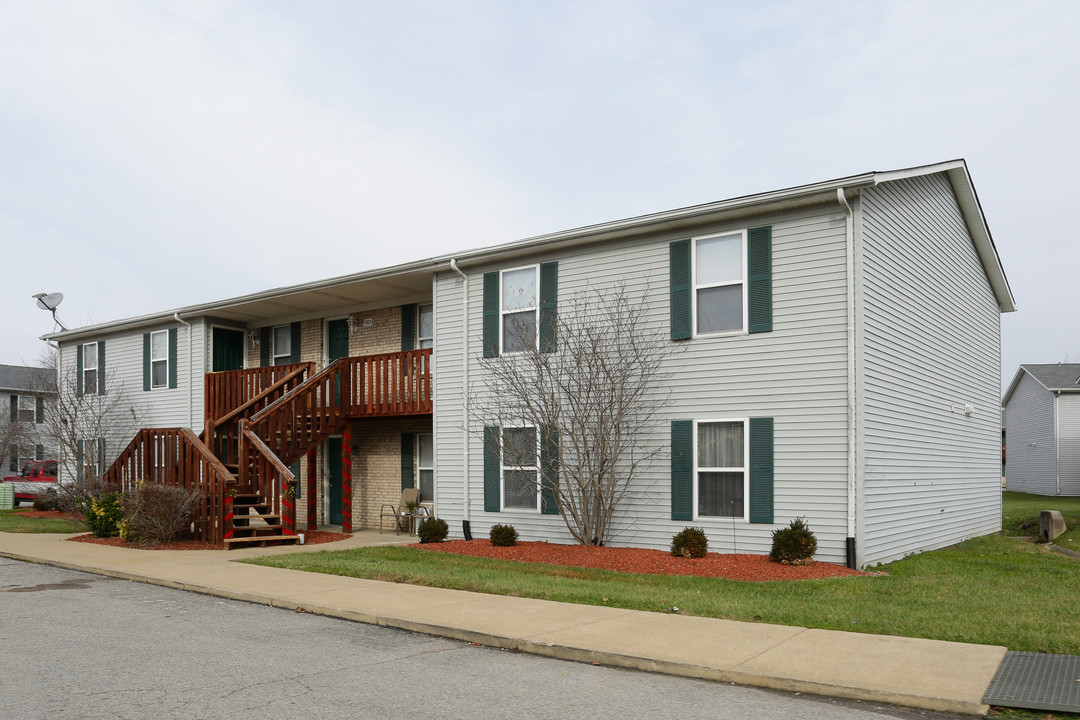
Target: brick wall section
x,y
377,464
382,336
311,341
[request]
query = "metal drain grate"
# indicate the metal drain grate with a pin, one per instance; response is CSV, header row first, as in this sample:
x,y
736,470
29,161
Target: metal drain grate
x,y
1037,682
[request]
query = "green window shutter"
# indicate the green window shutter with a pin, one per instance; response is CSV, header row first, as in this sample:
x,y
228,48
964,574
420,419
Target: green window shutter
x,y
294,340
14,408
682,470
408,445
759,293
39,452
679,271
549,471
78,370
408,327
492,470
761,470
101,367
549,297
172,356
80,464
39,410
491,314
295,470
265,340
146,362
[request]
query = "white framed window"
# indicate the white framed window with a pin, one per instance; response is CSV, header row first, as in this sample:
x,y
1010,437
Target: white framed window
x,y
721,481
719,297
519,308
90,368
425,466
520,458
159,359
425,326
282,345
27,408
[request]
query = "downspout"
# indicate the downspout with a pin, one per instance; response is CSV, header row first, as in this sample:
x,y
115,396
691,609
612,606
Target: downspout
x,y
190,369
852,385
466,516
1057,445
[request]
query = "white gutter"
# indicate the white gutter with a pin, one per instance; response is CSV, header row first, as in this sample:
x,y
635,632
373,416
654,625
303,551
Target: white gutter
x,y
852,385
1057,444
464,384
190,369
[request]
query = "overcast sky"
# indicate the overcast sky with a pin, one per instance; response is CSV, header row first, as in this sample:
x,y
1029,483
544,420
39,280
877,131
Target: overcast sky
x,y
160,154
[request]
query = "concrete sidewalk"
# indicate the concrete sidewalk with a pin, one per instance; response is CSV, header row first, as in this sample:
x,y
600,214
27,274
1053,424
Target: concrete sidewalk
x,y
928,674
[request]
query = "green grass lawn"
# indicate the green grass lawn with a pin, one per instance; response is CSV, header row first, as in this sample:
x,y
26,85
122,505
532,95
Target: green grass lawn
x,y
1022,516
14,521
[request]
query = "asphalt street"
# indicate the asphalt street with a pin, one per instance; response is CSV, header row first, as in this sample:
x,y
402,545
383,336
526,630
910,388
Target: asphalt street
x,y
83,646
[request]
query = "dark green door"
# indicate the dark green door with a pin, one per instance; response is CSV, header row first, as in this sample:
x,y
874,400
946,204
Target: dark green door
x,y
228,349
337,341
333,471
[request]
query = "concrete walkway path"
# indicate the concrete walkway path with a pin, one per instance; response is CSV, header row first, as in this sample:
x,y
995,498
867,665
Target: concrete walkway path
x,y
930,674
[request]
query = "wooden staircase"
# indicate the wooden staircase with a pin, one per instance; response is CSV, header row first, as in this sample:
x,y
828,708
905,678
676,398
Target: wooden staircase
x,y
254,525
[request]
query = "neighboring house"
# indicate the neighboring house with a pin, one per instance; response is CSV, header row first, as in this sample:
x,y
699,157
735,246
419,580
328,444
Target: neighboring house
x,y
841,363
1042,429
29,392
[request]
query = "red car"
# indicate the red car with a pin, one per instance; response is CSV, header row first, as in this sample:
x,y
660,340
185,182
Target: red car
x,y
36,477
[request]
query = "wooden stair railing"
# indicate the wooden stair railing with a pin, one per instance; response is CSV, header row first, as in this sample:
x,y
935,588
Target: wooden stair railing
x,y
175,456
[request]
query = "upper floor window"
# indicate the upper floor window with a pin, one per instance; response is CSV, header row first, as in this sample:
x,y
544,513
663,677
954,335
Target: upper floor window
x,y
90,368
159,359
719,269
425,327
282,339
519,309
24,408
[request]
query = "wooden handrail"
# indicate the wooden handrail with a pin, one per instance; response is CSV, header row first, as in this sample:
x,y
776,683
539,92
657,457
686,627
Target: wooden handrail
x,y
236,412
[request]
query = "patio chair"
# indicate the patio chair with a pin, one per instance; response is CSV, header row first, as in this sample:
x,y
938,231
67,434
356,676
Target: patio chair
x,y
403,518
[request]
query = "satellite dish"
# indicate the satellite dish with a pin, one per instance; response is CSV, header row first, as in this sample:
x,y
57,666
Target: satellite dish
x,y
48,301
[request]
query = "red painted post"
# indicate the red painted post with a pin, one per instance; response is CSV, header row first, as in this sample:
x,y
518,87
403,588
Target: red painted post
x,y
227,526
346,479
312,506
288,509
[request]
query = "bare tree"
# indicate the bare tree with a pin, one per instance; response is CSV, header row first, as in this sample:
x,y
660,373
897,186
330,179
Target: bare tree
x,y
90,417
575,427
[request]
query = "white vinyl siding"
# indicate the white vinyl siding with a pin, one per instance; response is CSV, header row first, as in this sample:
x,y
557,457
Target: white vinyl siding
x,y
1031,457
931,337
1069,442
795,374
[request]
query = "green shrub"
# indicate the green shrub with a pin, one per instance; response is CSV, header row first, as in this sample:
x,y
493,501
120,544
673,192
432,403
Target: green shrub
x,y
690,543
103,514
48,500
793,545
503,535
157,514
432,530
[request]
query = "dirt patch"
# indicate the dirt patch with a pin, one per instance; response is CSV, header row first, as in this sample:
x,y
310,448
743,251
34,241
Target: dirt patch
x,y
311,537
754,568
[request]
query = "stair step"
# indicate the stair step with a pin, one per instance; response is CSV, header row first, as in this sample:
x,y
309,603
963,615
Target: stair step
x,y
260,541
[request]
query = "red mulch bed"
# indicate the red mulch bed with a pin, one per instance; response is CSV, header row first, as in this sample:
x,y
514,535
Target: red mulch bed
x,y
54,514
311,537
754,568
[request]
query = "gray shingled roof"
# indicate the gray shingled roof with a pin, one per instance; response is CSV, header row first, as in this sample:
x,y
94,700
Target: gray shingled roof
x,y
1059,376
21,377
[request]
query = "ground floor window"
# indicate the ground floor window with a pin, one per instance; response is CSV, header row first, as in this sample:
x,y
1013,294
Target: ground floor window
x,y
520,468
721,468
425,467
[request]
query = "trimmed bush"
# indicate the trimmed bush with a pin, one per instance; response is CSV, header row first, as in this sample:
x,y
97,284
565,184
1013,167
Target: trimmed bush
x,y
690,543
48,500
157,514
503,535
793,545
432,530
103,515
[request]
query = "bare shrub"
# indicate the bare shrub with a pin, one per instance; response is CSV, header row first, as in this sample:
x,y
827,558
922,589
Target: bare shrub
x,y
155,513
